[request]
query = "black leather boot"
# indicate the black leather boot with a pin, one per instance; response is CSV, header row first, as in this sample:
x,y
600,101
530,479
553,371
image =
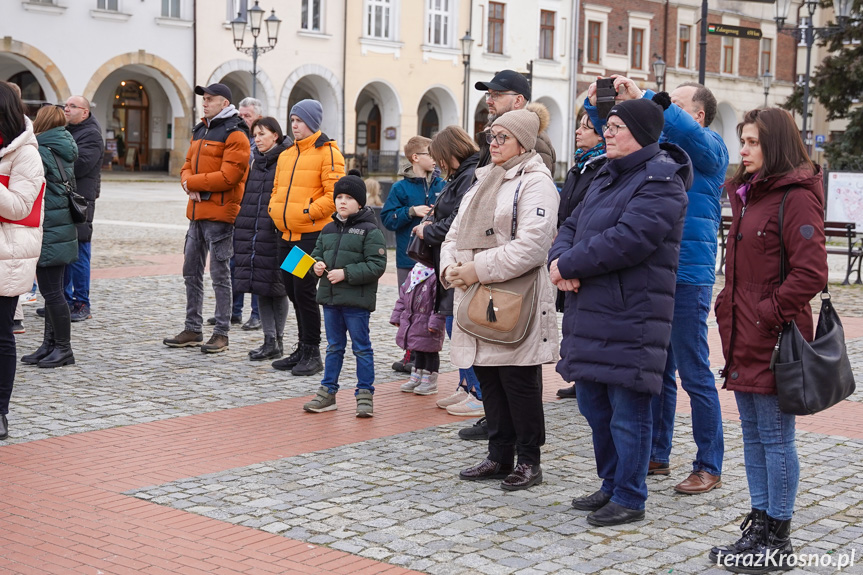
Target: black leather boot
x,y
270,350
45,349
310,363
753,532
281,343
62,324
768,555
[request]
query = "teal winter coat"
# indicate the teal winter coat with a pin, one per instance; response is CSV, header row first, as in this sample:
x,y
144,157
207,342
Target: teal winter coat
x,y
59,237
357,246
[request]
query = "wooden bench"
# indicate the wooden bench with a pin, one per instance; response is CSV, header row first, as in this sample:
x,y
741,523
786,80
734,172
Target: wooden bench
x,y
853,250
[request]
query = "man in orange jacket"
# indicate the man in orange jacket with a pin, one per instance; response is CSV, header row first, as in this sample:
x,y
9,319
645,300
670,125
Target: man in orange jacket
x,y
213,176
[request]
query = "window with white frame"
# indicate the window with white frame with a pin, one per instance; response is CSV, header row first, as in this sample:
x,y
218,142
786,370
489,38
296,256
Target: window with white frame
x,y
379,19
496,11
546,34
310,16
237,7
727,55
111,5
170,8
636,49
684,46
594,41
766,56
439,30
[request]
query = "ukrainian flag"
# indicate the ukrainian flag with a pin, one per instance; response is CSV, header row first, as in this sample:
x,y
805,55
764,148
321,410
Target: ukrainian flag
x,y
298,262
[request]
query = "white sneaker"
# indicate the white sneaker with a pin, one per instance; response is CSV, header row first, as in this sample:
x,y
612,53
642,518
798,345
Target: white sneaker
x,y
459,396
411,384
428,384
28,298
470,407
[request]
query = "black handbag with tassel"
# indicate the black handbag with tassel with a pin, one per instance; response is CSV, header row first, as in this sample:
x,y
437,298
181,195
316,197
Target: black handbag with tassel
x,y
811,376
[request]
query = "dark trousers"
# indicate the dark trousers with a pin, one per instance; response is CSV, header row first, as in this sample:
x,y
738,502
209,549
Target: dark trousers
x,y
426,360
51,280
512,397
8,357
302,292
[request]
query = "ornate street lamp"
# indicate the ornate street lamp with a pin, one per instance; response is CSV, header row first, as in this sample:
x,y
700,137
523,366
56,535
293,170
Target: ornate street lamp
x,y
659,67
766,80
466,43
807,33
256,17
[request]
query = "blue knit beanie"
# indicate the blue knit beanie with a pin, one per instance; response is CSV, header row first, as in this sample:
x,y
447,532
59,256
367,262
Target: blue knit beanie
x,y
310,112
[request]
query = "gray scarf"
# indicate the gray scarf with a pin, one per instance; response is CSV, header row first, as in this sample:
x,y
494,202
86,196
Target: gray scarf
x,y
477,229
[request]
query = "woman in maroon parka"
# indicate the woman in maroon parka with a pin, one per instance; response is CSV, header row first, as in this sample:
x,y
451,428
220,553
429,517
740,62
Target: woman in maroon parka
x,y
751,311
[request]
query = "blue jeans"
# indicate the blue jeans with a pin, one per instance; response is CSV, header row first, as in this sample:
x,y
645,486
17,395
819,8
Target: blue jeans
x,y
620,420
77,276
689,355
466,377
769,453
338,322
217,239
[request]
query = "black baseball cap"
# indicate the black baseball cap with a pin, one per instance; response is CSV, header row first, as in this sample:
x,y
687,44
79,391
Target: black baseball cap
x,y
215,90
506,81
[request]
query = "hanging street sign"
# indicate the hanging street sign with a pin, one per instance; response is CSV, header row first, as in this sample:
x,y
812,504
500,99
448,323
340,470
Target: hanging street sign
x,y
734,31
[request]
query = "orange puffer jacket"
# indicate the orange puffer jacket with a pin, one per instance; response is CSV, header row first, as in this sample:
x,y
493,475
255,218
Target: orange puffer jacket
x,y
217,163
302,199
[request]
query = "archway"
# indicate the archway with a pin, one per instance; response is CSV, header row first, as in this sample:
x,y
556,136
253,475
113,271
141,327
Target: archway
x,y
130,123
437,109
725,124
316,87
480,119
378,113
169,99
555,130
36,74
237,75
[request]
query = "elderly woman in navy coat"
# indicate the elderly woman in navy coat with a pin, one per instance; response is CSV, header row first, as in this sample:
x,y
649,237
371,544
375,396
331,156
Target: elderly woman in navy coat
x,y
616,257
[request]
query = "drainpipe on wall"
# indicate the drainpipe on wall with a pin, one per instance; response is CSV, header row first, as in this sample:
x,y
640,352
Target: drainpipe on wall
x,y
344,84
573,81
192,121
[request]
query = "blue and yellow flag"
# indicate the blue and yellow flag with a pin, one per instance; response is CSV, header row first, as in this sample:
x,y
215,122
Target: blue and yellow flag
x,y
298,262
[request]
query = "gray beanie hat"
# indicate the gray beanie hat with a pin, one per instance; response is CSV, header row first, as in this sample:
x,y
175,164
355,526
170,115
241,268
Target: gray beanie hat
x,y
310,112
524,125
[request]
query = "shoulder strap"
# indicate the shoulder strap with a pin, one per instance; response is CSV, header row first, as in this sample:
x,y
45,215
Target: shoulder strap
x,y
515,206
61,166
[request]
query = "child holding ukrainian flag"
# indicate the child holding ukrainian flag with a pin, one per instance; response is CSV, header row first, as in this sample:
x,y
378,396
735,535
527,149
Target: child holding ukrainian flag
x,y
350,256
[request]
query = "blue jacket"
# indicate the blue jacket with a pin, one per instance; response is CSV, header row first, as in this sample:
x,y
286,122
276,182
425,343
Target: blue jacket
x,y
623,242
411,191
710,161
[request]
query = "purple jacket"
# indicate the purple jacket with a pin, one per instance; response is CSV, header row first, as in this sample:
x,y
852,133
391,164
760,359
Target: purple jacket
x,y
414,314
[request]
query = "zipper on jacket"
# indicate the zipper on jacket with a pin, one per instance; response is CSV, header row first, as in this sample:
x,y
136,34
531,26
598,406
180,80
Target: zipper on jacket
x,y
197,161
288,195
342,226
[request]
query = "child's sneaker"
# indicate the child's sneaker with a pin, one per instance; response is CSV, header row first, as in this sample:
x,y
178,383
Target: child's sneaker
x,y
365,404
323,401
428,384
470,407
459,396
411,384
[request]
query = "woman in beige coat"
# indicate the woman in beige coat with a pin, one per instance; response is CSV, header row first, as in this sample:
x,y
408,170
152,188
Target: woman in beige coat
x,y
479,248
21,179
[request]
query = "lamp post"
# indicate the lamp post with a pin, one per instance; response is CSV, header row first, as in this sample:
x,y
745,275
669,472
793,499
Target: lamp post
x,y
238,26
766,80
807,33
466,43
659,67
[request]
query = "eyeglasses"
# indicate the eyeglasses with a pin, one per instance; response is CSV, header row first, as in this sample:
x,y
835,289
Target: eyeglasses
x,y
73,107
500,138
422,154
48,104
612,129
497,95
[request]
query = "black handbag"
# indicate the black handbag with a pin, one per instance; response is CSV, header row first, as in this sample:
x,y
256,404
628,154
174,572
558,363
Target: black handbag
x,y
77,202
419,250
811,376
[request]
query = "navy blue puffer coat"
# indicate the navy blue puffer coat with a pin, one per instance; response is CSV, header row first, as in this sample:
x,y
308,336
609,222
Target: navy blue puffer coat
x,y
623,244
256,265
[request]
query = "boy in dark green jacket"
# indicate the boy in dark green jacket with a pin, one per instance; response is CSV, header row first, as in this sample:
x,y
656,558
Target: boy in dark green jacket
x,y
352,252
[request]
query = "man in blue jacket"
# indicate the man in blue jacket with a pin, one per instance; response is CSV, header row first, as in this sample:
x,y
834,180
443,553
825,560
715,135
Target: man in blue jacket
x,y
689,109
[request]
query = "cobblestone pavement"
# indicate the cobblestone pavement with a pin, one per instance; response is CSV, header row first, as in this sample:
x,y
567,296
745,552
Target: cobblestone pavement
x,y
394,499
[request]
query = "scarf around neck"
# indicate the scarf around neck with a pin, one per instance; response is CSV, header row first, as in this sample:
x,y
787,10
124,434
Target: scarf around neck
x,y
478,234
583,156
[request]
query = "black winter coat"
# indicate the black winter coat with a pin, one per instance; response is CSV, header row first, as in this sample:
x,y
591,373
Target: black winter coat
x,y
256,261
88,168
357,246
623,244
445,211
575,186
59,238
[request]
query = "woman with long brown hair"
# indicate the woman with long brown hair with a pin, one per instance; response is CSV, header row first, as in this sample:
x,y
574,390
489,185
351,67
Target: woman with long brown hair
x,y
751,311
59,239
